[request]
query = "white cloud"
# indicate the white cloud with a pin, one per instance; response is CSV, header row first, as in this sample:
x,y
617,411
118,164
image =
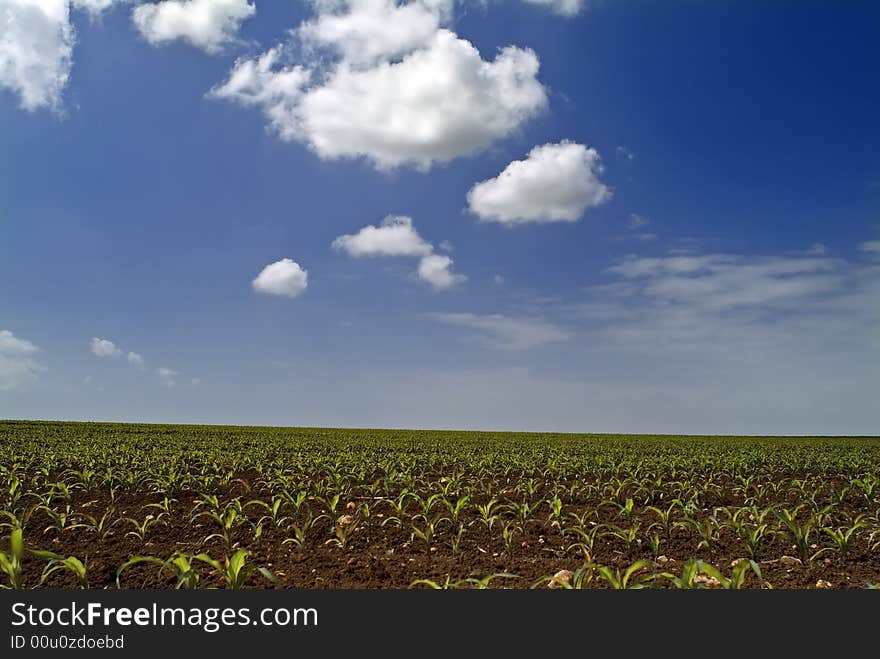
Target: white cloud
x,y
624,153
394,95
104,348
18,366
260,82
561,7
636,221
396,236
167,376
505,332
725,281
804,309
817,249
107,348
436,269
365,31
206,24
94,7
871,247
556,183
36,47
284,277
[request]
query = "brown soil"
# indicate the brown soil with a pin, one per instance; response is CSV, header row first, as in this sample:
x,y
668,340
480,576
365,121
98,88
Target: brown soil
x,y
388,556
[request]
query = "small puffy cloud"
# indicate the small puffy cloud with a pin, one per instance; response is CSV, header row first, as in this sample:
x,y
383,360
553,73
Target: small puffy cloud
x,y
498,279
284,277
561,7
104,348
398,89
436,269
205,24
36,47
556,183
18,366
395,236
167,376
506,332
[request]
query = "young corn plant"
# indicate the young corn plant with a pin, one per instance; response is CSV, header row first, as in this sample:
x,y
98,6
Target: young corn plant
x,y
842,536
234,570
580,579
164,506
522,512
11,563
456,509
342,531
300,531
455,540
229,519
655,542
868,486
554,519
101,526
295,500
140,527
274,512
427,529
585,539
665,517
699,574
628,535
798,533
470,582
489,513
632,578
57,562
705,528
60,520
178,564
508,535
626,509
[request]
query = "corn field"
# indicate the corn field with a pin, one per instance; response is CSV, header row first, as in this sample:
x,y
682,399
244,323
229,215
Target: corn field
x,y
88,505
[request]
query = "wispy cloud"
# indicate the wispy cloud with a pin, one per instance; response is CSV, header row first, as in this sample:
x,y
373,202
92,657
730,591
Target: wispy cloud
x,y
506,332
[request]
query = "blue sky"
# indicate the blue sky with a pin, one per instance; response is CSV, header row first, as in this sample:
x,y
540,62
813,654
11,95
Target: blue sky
x,y
613,216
